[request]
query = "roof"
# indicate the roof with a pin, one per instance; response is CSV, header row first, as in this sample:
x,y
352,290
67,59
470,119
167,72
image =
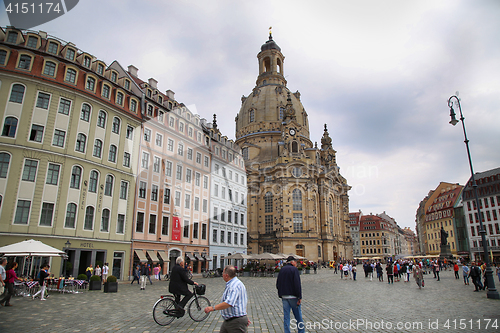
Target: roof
x,y
270,45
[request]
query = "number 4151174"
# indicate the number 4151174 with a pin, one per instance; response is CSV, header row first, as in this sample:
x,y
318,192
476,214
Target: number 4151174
x,y
464,324
26,8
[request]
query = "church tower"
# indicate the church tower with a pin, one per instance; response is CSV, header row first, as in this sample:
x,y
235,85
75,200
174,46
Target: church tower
x,y
297,199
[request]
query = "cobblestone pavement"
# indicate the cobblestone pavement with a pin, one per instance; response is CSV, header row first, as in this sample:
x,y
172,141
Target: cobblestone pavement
x,y
331,304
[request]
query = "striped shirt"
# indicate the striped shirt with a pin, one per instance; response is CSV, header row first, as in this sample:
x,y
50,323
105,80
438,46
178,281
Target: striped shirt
x,y
235,295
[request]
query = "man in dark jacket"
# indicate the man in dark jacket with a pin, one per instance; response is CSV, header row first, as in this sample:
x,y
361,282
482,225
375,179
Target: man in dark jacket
x,y
178,285
475,274
290,292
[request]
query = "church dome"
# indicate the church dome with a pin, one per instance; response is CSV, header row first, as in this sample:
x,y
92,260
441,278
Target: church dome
x,y
270,44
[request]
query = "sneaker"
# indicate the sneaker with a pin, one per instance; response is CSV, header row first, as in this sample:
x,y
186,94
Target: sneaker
x,y
42,299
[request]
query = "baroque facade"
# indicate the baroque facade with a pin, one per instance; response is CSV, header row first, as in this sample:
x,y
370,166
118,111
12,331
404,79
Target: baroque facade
x,y
297,201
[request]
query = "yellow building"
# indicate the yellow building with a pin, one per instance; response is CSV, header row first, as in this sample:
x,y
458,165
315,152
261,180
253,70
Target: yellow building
x,y
297,199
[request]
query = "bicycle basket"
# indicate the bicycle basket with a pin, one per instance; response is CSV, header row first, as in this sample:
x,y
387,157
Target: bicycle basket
x,y
200,289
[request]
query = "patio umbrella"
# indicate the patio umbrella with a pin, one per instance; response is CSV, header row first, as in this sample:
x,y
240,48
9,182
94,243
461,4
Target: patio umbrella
x,y
265,256
238,256
296,256
31,248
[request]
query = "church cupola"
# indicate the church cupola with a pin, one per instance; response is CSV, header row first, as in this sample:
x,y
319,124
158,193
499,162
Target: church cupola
x,y
326,141
271,64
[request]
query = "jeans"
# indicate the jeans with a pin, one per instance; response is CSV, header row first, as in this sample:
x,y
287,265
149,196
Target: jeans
x,y
291,304
466,279
354,276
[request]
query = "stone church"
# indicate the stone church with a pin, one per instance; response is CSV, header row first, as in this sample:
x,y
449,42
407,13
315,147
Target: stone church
x,y
297,199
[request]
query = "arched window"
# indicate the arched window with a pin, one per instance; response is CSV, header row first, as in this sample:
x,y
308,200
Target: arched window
x,y
112,154
10,127
297,199
108,190
3,57
50,68
70,216
94,178
97,148
267,64
105,220
278,62
101,119
81,139
85,114
116,125
295,147
76,174
24,62
330,207
251,115
244,152
119,98
70,75
4,164
89,218
319,250
268,202
17,93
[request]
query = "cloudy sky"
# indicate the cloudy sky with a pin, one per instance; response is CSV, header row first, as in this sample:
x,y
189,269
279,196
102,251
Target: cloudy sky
x,y
379,73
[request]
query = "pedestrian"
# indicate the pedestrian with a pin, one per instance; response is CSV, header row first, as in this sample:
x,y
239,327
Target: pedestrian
x,y
380,272
341,268
336,267
354,272
437,270
233,303
149,272
475,275
3,276
97,270
465,273
105,272
290,291
418,274
89,271
156,271
395,272
44,273
433,265
136,274
498,271
159,271
390,273
455,269
409,271
345,270
144,274
315,267
10,277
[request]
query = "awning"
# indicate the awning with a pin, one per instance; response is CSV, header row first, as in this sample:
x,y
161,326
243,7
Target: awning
x,y
163,255
152,255
140,254
190,256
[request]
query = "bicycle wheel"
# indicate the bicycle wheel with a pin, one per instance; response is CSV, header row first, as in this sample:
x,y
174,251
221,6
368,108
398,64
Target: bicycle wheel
x,y
159,309
197,307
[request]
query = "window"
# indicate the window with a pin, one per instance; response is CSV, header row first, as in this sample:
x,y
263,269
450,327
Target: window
x,y
93,181
190,132
166,196
108,189
187,201
22,212
76,173
133,105
297,199
126,160
216,190
59,138
145,160
70,216
70,75
205,182
152,224
127,84
159,139
101,119
89,218
171,121
177,200
164,226
50,68
216,215
196,203
105,91
198,158
147,135
43,101
154,192
181,127
188,176
244,152
142,190
32,42
12,37
223,215
168,169
97,148
114,76
29,171
85,114
4,164
120,224
156,164
36,133
130,132
70,54
119,98
214,236
80,142
186,229
139,227
203,231
123,190
180,149
229,237
242,220
3,57
197,179
52,174
235,238
105,220
205,204
297,222
242,240
179,172
90,85
100,69
52,48
195,230
206,161
17,94
112,154
87,61
64,106
229,216
24,62
190,154
150,110
251,116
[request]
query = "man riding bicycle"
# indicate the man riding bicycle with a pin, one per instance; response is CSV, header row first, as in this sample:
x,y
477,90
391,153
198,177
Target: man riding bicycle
x,y
178,285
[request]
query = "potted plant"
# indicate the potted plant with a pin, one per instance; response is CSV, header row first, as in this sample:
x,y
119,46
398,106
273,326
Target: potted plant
x,y
246,271
308,269
81,277
111,286
300,268
95,282
276,271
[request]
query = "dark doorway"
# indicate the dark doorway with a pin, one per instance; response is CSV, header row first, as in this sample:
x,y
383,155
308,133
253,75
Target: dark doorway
x,y
85,261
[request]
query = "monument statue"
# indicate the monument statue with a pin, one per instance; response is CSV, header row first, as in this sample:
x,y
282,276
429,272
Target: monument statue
x,y
444,237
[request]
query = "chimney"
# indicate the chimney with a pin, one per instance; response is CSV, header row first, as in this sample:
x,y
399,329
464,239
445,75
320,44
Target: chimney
x,y
170,94
152,83
133,70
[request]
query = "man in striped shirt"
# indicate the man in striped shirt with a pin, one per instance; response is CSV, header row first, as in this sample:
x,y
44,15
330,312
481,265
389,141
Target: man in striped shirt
x,y
233,303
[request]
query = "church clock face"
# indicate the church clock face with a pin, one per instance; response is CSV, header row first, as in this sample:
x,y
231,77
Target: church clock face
x,y
292,131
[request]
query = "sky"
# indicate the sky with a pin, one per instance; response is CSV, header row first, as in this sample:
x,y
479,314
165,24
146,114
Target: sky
x,y
378,73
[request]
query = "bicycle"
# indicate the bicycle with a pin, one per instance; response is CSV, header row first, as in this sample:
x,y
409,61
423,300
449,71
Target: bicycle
x,y
164,310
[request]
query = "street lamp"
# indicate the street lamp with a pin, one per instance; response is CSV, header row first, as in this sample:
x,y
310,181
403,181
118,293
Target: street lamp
x,y
66,247
492,292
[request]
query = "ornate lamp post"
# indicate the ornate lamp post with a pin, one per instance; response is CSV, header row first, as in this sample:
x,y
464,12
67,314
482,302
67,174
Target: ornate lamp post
x,y
492,292
66,247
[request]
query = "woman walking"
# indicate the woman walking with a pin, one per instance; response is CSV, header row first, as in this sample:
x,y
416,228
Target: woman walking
x,y
44,272
419,276
9,283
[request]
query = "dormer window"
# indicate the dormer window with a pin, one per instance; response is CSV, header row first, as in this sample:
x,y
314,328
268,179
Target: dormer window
x,y
127,84
53,47
149,93
32,42
90,85
133,105
86,61
114,76
160,99
170,105
70,54
100,69
24,62
12,37
150,110
105,91
49,68
119,98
